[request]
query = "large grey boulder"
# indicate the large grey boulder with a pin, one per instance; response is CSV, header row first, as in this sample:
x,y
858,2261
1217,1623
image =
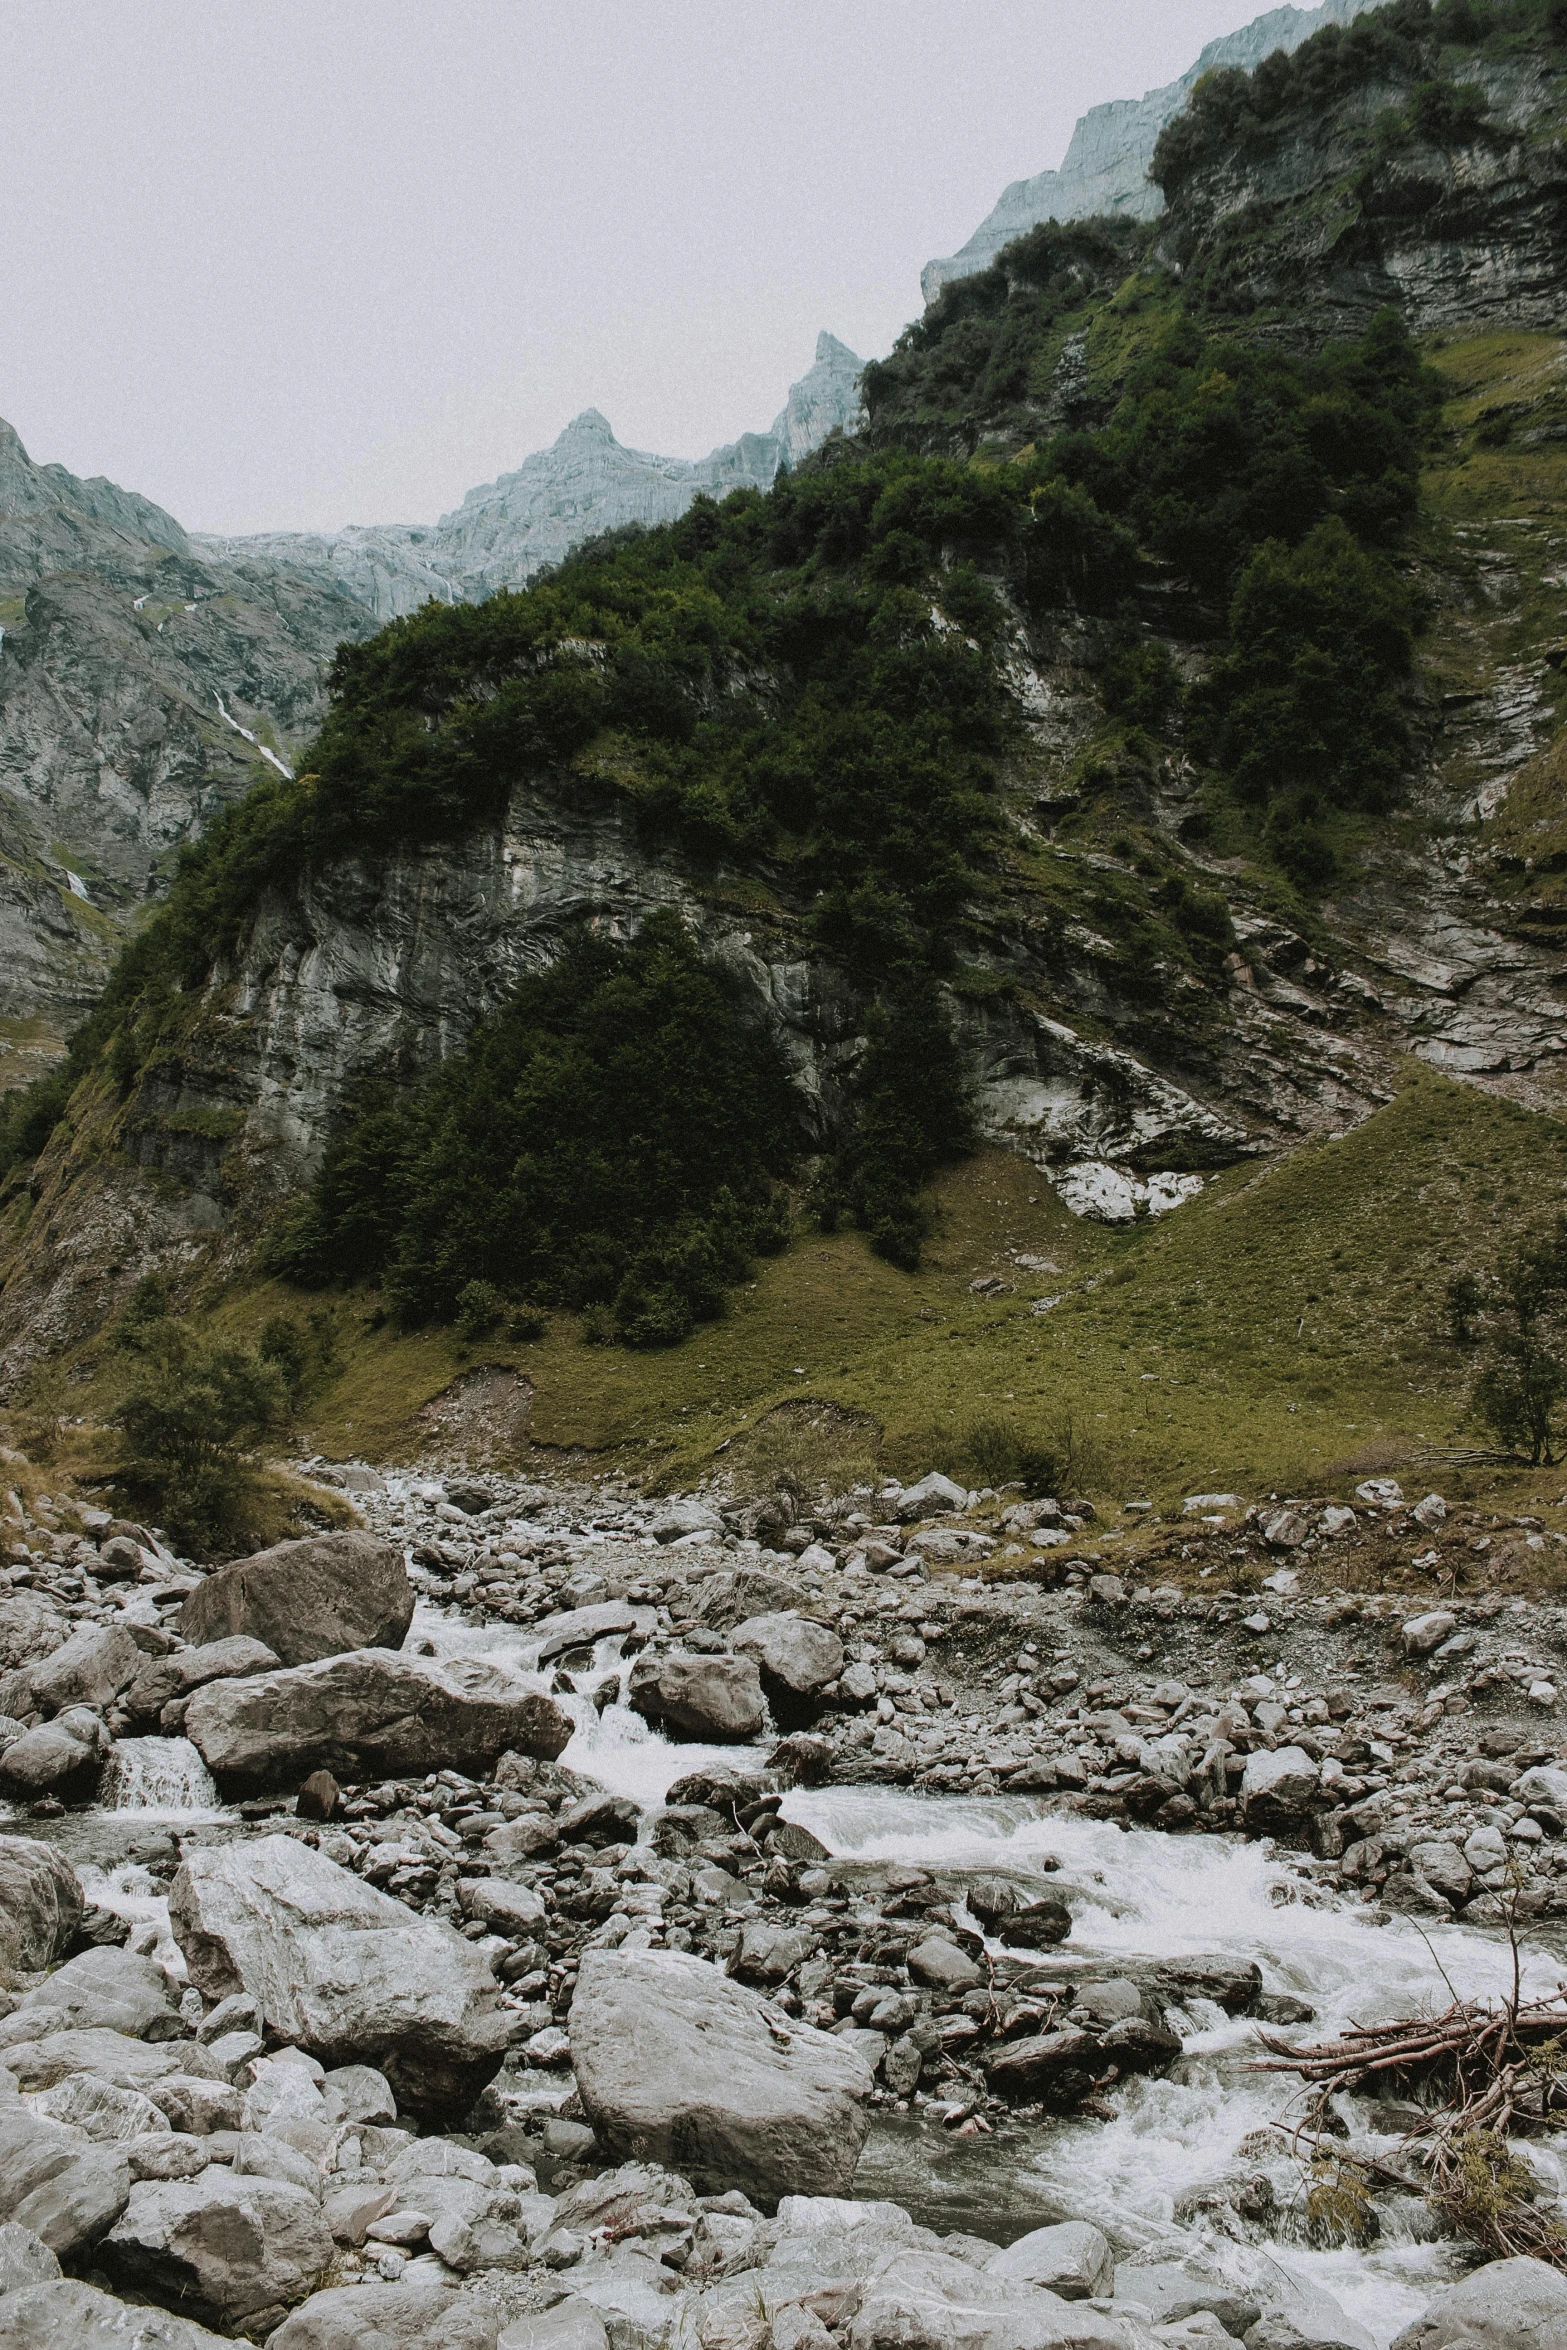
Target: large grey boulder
x,y
163,1679
73,1747
225,2248
932,1496
678,2064
113,2056
25,2259
914,2296
368,1716
424,2316
110,1990
41,1904
340,1970
30,1629
56,2181
736,1594
1280,1785
101,2111
714,1698
69,2316
579,1627
91,1668
1072,2259
315,1598
1507,2305
796,1657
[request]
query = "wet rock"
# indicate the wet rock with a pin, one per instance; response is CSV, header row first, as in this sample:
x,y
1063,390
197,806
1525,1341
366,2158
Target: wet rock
x,y
91,1669
41,1904
677,2063
369,1715
55,1756
579,1627
307,1600
319,1797
716,1698
109,1990
225,2247
70,2316
796,1657
58,2182
341,1970
1051,2068
1073,2259
164,1680
1280,1785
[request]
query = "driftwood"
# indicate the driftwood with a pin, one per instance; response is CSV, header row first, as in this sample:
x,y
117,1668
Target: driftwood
x,y
1498,2068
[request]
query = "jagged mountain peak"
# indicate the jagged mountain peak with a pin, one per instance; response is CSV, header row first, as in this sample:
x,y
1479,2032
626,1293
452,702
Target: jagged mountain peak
x,y
591,425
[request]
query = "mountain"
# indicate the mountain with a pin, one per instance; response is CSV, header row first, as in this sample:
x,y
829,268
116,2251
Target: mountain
x,y
508,530
1105,168
149,676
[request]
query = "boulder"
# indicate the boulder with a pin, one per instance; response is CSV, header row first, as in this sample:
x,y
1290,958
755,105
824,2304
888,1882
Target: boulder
x,y
92,1667
679,1518
572,2324
69,2316
25,2259
1546,1784
30,1629
164,1679
108,1989
936,2302
340,1970
58,2182
1507,2305
796,1657
929,1498
680,2065
422,2316
368,1716
1048,2068
944,1964
717,1698
227,2248
738,1594
72,1748
1279,1785
506,1908
580,1627
113,2056
1424,1633
1073,2260
111,2116
304,1600
41,1904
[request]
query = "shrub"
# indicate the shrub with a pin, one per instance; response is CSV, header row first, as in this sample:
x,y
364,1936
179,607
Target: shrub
x,y
193,1419
1517,1315
479,1307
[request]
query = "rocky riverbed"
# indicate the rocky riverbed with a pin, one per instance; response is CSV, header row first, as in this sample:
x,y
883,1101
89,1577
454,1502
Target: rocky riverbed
x,y
550,1917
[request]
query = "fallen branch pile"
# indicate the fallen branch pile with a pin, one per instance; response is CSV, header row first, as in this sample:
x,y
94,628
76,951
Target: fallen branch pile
x,y
1502,2068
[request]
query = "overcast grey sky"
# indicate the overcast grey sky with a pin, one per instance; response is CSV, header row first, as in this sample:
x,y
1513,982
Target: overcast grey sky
x,y
295,263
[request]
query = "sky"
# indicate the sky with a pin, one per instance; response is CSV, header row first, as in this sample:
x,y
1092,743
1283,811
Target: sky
x,y
311,262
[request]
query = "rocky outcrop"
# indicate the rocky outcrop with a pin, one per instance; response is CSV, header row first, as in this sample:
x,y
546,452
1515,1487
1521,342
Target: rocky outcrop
x,y
1105,168
306,1600
366,1714
341,1970
675,2061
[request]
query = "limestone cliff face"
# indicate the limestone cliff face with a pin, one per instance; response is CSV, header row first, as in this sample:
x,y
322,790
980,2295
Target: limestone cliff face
x,y
1105,168
1322,223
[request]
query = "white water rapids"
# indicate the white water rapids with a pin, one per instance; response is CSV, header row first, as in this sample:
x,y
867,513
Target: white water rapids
x,y
1135,1894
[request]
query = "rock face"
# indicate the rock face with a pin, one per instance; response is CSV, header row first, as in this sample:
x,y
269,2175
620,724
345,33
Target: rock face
x,y
703,1697
366,1715
1105,168
340,1970
678,2064
307,1600
40,1904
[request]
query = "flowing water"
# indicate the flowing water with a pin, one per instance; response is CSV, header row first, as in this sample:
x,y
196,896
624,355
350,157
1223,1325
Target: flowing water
x,y
162,1777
